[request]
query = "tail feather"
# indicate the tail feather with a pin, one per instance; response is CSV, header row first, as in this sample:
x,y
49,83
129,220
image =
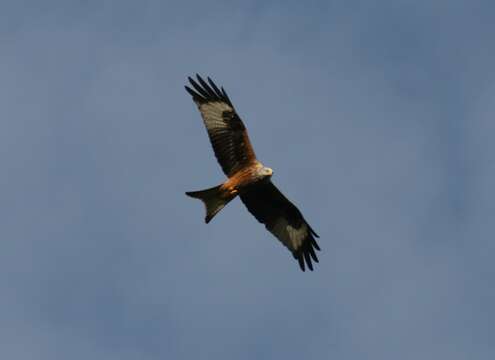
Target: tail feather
x,y
213,199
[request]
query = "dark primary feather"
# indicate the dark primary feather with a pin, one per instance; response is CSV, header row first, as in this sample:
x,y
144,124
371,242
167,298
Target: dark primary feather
x,y
270,207
226,130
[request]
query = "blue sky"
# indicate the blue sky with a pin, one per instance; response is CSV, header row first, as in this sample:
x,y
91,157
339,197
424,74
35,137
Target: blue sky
x,y
377,118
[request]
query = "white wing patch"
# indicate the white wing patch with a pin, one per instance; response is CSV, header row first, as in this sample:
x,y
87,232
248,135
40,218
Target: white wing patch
x,y
290,236
297,235
212,114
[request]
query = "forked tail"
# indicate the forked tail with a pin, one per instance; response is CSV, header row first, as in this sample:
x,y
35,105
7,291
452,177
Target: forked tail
x,y
213,198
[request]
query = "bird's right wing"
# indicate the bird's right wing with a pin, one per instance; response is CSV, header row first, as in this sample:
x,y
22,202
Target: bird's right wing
x,y
227,133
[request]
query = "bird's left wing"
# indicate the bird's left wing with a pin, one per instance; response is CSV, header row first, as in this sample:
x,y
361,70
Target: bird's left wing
x,y
226,131
284,220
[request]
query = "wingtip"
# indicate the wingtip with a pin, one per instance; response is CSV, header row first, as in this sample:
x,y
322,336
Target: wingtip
x,y
301,263
313,254
315,244
206,90
313,232
308,260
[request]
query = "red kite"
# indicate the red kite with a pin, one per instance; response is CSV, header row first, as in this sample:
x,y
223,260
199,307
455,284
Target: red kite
x,y
247,177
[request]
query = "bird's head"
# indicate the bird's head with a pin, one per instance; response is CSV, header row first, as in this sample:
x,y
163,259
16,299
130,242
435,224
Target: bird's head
x,y
266,171
262,172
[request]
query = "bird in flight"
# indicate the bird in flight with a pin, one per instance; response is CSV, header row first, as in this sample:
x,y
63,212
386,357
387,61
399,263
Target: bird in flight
x,y
247,177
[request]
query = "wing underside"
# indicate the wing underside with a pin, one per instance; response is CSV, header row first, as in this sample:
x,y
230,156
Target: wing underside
x,y
226,131
282,218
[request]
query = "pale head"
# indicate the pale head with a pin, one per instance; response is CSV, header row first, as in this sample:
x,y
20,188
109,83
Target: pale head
x,y
262,172
265,171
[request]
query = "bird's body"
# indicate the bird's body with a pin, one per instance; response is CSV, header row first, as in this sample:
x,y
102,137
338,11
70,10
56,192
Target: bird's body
x,y
239,183
248,178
